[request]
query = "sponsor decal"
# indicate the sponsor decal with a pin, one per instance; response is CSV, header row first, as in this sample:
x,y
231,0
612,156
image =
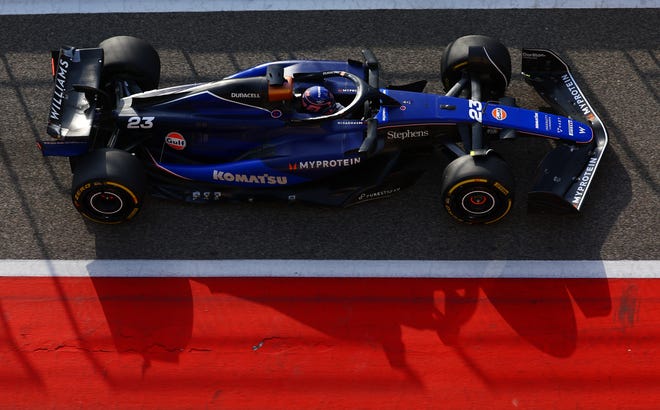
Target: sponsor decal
x,y
349,122
324,164
499,114
584,181
577,96
536,120
276,113
406,134
264,179
175,141
245,95
378,194
533,55
60,88
501,188
207,196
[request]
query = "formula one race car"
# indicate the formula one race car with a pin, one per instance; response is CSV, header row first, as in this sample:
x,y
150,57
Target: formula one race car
x,y
315,131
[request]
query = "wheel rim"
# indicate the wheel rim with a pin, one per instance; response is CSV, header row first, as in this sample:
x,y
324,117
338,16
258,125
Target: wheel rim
x,y
106,203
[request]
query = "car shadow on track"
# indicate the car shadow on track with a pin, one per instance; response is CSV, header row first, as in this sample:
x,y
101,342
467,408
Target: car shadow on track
x,y
153,317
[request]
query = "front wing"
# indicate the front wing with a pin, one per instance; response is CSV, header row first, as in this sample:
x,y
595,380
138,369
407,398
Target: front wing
x,y
565,175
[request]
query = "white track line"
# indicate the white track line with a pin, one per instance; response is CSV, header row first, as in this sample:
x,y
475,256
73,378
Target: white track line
x,y
645,269
12,7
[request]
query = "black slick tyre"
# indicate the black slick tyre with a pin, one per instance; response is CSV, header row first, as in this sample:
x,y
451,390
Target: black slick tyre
x,y
491,64
126,57
108,186
477,190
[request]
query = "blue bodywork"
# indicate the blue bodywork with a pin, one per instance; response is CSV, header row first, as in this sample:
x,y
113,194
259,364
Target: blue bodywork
x,y
246,130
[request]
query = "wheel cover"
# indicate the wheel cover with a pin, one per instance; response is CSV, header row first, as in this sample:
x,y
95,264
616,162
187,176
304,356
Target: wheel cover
x,y
106,203
477,201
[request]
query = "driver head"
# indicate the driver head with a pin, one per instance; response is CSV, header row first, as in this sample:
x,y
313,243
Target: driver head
x,y
317,99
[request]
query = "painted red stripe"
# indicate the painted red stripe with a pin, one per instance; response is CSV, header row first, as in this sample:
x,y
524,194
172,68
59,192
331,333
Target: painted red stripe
x,y
329,343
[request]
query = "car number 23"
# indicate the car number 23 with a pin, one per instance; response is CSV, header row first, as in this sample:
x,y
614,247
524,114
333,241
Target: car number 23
x,y
140,122
474,110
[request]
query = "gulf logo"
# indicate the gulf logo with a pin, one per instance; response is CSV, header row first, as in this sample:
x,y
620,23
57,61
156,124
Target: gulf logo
x,y
175,141
499,114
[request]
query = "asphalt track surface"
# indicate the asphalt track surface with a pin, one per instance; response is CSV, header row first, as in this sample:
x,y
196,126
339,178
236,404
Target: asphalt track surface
x,y
614,55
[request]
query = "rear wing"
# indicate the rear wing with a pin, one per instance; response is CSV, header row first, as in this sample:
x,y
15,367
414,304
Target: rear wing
x,y
565,174
71,112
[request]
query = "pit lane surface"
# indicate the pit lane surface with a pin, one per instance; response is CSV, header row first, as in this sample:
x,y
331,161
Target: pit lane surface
x,y
614,54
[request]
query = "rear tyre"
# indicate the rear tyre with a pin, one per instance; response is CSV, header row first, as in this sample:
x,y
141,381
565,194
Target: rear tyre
x,y
477,190
108,186
491,64
130,58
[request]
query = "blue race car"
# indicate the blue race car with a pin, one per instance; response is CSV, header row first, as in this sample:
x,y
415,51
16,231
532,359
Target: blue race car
x,y
315,131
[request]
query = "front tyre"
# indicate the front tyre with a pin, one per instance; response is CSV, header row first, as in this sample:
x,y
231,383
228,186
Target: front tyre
x,y
477,190
108,186
491,65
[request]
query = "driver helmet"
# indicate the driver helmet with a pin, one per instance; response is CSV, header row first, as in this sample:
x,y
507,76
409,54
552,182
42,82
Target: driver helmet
x,y
317,99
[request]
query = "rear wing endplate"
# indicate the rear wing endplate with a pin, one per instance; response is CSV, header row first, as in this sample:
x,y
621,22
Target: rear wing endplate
x,y
74,70
566,173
